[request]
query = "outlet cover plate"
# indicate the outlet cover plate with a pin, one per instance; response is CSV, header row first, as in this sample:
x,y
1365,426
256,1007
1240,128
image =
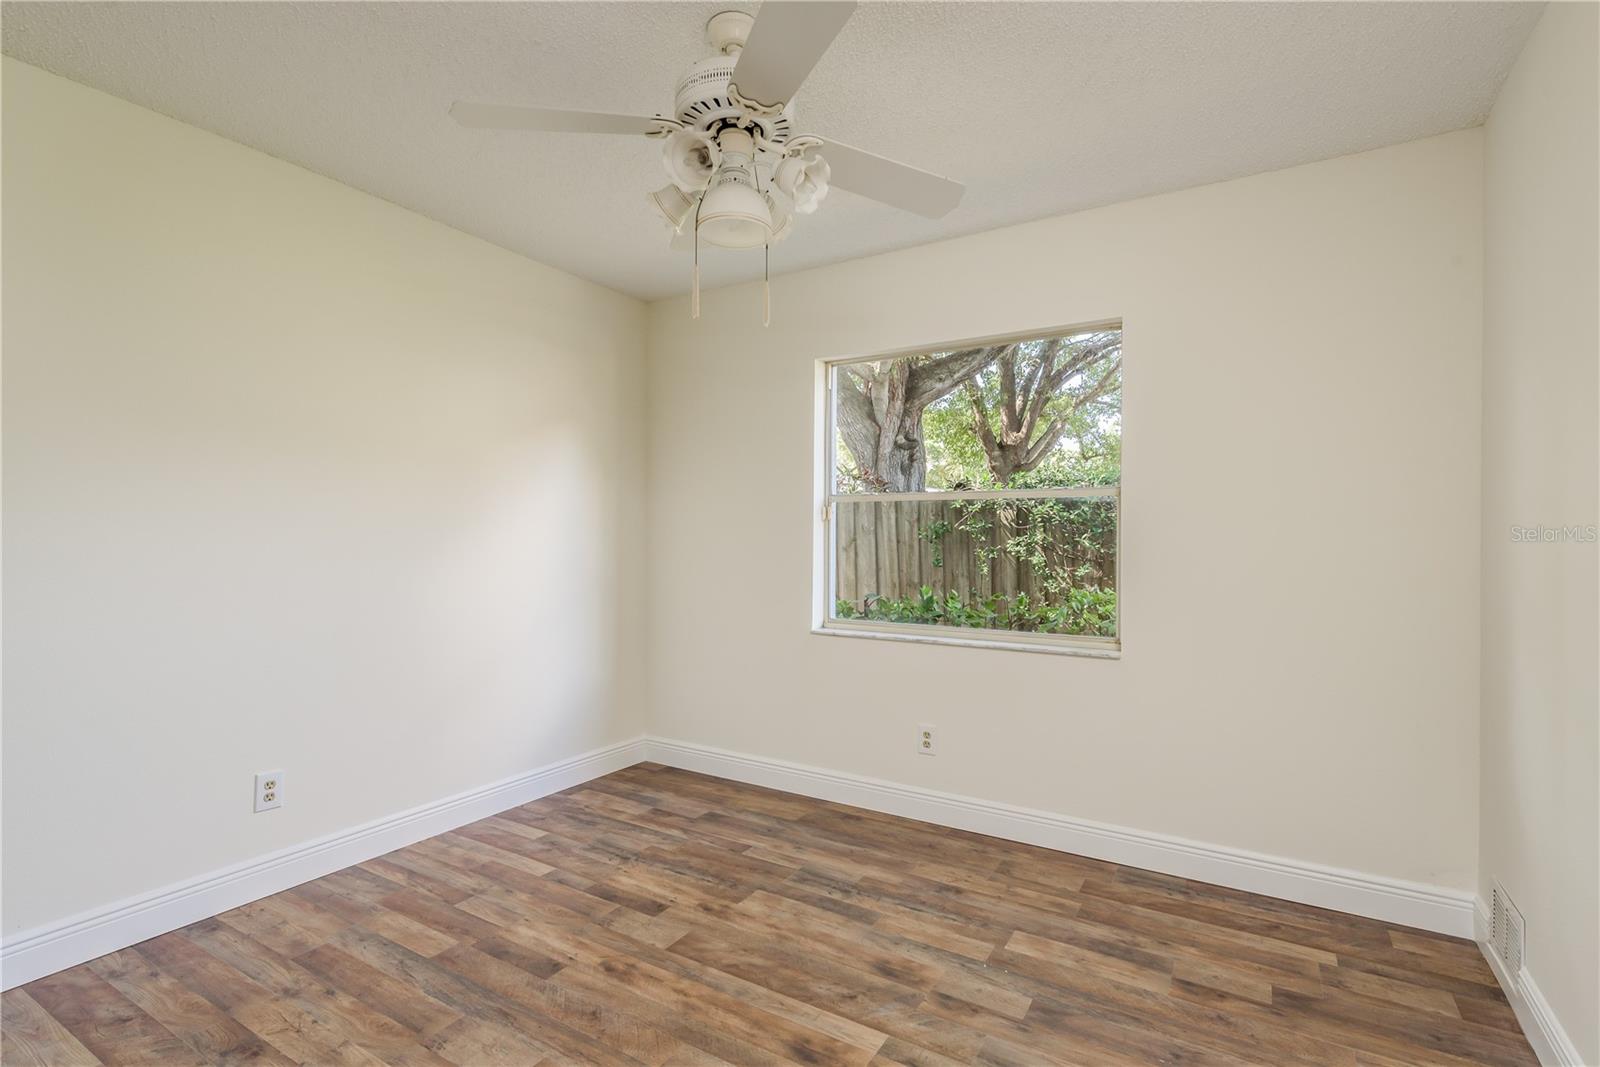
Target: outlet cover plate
x,y
269,790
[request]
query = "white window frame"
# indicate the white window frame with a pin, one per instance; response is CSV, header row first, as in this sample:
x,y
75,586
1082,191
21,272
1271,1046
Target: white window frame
x,y
825,514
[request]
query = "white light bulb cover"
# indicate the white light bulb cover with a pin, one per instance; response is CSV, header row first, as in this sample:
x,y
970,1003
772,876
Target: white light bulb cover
x,y
779,204
674,205
690,158
788,172
805,179
782,211
733,214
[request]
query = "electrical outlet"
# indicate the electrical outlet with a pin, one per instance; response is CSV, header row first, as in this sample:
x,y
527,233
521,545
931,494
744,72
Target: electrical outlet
x,y
927,739
269,790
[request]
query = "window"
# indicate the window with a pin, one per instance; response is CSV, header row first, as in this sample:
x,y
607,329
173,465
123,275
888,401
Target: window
x,y
973,492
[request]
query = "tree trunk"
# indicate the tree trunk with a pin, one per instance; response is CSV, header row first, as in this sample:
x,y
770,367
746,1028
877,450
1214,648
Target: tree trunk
x,y
1014,426
879,409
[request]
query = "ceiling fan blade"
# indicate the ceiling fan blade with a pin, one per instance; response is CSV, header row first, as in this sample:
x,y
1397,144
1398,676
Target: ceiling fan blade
x,y
895,184
788,38
550,119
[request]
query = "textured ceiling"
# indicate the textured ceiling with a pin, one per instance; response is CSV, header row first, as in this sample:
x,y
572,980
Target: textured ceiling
x,y
1040,108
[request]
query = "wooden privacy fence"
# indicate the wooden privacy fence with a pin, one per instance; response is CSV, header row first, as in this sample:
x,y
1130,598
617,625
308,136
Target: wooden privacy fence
x,y
892,548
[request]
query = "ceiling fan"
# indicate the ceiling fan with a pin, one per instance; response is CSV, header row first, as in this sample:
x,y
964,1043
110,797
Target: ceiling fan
x,y
740,173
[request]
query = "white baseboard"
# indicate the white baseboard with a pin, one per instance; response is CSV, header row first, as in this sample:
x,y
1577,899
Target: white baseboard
x,y
1442,910
1550,1040
47,949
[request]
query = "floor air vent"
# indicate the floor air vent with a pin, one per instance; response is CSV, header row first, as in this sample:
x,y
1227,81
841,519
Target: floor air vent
x,y
1505,932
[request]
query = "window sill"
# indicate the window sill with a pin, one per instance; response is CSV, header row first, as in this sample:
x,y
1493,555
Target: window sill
x,y
1051,648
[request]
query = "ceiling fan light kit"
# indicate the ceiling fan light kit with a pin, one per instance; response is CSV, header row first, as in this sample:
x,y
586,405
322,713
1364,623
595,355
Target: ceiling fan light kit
x,y
734,213
739,173
674,205
691,157
805,181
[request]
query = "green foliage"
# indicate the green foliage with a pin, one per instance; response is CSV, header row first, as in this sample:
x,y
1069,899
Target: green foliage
x,y
1079,612
1062,395
934,533
955,458
1065,543
1089,453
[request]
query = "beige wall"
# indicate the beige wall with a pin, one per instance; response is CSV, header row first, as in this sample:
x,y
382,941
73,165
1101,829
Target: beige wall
x,y
1302,367
1541,467
293,479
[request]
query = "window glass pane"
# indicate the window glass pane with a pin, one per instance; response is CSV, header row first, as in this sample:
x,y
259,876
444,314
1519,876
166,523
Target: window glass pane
x,y
1034,565
1040,413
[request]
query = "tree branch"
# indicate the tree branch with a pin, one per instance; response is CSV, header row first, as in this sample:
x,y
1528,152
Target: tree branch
x,y
980,419
1102,387
939,377
1009,410
1041,448
1042,386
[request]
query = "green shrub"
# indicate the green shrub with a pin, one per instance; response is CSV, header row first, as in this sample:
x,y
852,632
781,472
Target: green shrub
x,y
1075,611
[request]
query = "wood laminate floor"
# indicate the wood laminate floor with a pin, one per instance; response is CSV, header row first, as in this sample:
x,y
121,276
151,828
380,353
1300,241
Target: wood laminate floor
x,y
660,917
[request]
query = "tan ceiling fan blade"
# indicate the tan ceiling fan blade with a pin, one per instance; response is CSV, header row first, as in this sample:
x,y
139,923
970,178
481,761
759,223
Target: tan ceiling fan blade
x,y
888,182
788,38
549,119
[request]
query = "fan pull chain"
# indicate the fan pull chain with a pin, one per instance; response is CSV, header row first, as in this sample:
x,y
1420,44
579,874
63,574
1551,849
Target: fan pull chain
x,y
766,259
694,292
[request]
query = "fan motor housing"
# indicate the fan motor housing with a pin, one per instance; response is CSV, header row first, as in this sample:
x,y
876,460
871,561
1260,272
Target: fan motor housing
x,y
702,102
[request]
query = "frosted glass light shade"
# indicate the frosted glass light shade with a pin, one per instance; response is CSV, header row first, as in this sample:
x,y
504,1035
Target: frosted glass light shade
x,y
733,214
674,205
